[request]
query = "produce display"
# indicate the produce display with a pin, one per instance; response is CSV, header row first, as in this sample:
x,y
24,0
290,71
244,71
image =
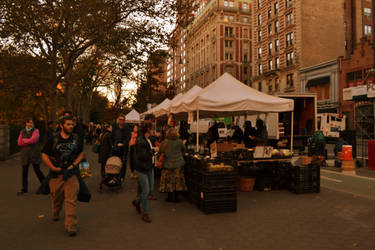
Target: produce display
x,y
219,167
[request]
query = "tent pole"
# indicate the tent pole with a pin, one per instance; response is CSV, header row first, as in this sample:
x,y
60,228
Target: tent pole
x,y
197,130
291,133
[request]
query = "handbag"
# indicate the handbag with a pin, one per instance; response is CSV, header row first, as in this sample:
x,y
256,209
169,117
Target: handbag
x,y
160,161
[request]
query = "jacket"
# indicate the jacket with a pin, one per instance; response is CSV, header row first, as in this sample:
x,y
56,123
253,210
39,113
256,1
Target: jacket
x,y
143,155
105,150
120,135
174,153
28,141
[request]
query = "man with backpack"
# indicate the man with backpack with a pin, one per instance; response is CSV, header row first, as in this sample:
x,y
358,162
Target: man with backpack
x,y
62,154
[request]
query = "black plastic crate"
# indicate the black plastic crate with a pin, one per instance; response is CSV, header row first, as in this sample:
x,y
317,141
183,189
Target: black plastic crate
x,y
305,179
303,188
218,195
225,206
218,179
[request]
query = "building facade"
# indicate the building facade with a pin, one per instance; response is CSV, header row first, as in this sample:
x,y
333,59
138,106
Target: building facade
x,y
217,41
290,35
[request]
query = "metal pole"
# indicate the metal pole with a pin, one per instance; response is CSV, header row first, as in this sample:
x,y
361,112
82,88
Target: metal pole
x,y
292,133
197,130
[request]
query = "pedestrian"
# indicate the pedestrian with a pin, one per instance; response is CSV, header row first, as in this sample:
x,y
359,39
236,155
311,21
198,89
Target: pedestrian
x,y
121,137
144,163
62,154
30,153
105,149
50,130
131,150
237,135
249,135
172,176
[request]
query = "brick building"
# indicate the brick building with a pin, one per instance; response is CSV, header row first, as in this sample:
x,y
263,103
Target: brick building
x,y
217,41
354,68
290,35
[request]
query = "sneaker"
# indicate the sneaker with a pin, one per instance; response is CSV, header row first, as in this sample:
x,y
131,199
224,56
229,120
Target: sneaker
x,y
72,231
21,192
146,218
137,206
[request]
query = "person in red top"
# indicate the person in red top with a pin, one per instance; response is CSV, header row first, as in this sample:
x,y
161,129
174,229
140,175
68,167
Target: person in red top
x,y
132,141
30,153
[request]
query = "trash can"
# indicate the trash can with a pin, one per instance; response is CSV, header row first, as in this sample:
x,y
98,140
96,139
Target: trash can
x,y
371,155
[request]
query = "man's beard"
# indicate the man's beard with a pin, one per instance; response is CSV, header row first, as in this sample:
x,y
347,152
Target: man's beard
x,y
67,131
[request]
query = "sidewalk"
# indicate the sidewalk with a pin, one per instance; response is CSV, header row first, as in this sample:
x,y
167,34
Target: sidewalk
x,y
363,171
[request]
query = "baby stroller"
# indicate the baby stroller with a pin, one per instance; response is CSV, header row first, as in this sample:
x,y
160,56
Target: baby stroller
x,y
112,173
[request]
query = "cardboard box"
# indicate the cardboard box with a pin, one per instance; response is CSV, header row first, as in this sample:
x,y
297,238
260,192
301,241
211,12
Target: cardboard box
x,y
306,160
224,147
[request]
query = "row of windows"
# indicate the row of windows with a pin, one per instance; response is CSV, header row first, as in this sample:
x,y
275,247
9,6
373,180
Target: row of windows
x,y
230,4
272,66
288,3
289,83
288,21
231,19
289,42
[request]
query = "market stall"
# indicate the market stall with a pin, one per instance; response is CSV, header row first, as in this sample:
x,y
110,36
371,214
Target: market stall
x,y
133,117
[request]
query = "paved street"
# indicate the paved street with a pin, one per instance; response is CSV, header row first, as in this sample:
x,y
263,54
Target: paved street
x,y
341,217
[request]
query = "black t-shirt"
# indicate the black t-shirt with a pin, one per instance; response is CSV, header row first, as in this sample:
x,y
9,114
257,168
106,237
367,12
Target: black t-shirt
x,y
63,152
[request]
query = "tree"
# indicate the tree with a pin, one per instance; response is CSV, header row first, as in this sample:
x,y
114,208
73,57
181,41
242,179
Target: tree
x,y
61,32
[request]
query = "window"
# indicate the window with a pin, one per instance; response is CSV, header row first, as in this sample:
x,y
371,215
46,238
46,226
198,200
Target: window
x,y
288,3
276,26
367,12
270,87
289,19
228,56
289,80
270,66
260,69
276,8
277,60
289,58
259,53
245,32
245,57
245,20
269,13
231,4
228,43
270,48
277,45
245,70
244,6
259,4
269,29
259,35
289,39
226,4
231,18
259,19
229,31
368,30
260,86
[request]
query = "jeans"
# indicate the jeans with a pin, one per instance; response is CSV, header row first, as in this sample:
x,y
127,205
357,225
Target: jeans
x,y
25,172
144,187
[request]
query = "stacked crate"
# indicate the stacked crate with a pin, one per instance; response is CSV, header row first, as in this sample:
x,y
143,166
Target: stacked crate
x,y
213,191
305,179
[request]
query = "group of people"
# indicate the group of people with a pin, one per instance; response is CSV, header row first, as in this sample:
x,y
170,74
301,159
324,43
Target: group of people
x,y
63,151
251,136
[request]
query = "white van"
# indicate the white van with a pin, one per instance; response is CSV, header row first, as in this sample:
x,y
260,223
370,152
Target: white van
x,y
331,124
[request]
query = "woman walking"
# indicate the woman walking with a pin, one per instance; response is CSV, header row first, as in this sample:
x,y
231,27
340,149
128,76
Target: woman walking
x,y
30,153
172,176
144,163
105,148
131,148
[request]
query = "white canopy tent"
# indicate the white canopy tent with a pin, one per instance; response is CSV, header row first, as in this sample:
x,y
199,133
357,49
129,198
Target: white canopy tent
x,y
174,106
133,117
163,107
228,96
152,110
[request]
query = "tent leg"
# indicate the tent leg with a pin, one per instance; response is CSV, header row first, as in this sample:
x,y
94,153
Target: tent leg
x,y
198,130
292,133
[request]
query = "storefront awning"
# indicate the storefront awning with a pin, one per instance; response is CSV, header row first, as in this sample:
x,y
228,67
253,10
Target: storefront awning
x,y
318,81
